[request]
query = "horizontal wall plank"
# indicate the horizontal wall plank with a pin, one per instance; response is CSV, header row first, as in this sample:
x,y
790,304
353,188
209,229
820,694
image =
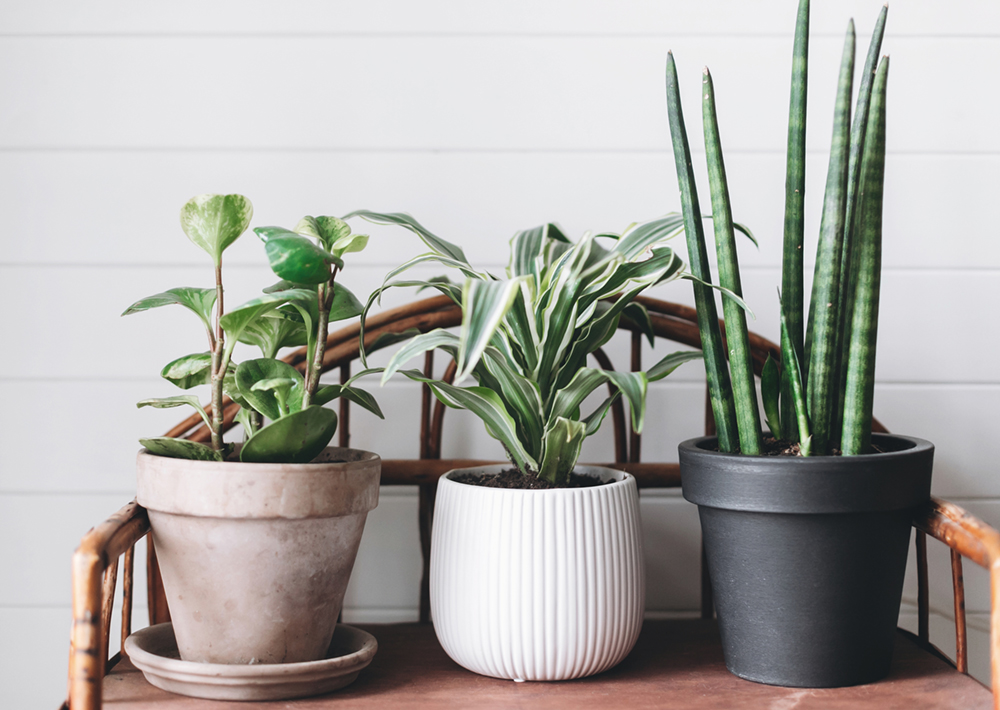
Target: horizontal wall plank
x,y
461,93
101,458
918,314
559,17
457,195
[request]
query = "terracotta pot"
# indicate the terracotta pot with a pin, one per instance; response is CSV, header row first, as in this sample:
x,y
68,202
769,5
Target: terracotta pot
x,y
537,584
807,556
255,558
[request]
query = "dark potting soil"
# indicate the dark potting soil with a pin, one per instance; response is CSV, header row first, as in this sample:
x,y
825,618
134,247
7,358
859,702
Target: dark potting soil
x,y
512,478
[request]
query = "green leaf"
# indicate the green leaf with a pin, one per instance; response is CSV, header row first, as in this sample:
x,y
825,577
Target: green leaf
x,y
361,397
439,245
350,244
637,313
437,338
737,338
488,406
238,319
189,371
860,390
520,396
181,449
635,240
632,385
345,304
245,416
232,390
328,230
288,286
274,331
792,367
563,440
176,401
671,362
213,222
298,259
716,370
251,372
824,323
197,300
792,289
770,387
596,418
484,305
298,438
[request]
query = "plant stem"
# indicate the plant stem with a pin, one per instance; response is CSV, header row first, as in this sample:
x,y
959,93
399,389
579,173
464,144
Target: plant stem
x,y
324,295
720,388
737,338
795,192
824,327
860,391
218,366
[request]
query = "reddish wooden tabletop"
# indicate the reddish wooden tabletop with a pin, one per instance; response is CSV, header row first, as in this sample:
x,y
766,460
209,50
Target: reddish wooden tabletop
x,y
676,664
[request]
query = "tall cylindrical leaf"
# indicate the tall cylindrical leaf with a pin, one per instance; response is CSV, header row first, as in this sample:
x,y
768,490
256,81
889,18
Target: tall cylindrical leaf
x,y
848,283
795,193
860,390
737,339
824,312
719,386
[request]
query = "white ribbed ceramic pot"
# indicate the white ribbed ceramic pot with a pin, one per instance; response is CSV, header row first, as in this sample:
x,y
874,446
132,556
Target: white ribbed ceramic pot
x,y
537,584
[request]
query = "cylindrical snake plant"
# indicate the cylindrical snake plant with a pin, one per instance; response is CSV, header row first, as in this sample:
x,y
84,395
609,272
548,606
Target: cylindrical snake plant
x,y
821,397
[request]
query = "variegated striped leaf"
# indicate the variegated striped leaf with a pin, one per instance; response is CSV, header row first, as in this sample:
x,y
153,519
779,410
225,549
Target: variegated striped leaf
x,y
437,338
563,440
484,305
488,406
439,245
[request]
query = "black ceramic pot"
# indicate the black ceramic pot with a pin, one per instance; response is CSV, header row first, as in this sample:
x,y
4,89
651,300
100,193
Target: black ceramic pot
x,y
807,556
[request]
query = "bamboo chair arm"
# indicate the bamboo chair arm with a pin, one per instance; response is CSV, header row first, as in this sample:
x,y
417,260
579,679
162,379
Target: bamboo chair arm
x,y
966,536
95,573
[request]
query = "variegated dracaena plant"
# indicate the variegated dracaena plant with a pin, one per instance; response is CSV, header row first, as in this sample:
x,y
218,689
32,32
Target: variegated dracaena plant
x,y
827,380
294,312
526,339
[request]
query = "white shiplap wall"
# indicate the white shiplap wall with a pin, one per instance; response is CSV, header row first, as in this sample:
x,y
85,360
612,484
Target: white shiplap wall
x,y
479,118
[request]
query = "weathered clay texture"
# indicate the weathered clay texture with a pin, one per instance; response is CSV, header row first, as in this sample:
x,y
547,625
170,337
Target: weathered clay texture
x,y
255,558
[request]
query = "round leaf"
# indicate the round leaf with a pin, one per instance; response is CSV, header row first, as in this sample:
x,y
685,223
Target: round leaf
x,y
295,258
213,222
189,371
180,449
345,304
297,438
251,372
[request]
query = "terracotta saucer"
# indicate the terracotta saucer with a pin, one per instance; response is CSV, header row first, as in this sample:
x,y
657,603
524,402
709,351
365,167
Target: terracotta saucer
x,y
153,650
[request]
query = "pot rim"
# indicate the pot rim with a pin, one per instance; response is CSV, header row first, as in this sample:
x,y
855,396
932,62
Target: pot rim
x,y
620,478
887,481
916,445
234,489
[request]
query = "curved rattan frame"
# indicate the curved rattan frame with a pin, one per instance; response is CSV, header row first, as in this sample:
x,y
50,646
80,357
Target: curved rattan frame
x,y
96,561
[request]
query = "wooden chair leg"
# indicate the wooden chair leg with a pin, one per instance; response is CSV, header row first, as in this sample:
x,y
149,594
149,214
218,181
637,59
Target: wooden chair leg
x,y
923,603
961,637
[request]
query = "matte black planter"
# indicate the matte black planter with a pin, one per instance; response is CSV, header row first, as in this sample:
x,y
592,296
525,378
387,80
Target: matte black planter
x,y
807,556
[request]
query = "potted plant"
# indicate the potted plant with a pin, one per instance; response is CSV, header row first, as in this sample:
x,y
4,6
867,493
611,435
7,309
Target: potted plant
x,y
536,566
806,548
256,541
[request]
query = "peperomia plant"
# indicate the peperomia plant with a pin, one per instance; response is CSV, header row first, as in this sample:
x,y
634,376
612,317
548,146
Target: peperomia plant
x,y
526,339
294,312
822,396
